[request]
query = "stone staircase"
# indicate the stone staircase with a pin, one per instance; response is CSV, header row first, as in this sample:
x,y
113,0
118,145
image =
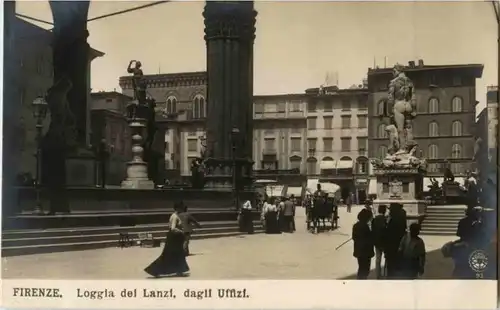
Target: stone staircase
x,y
442,220
35,241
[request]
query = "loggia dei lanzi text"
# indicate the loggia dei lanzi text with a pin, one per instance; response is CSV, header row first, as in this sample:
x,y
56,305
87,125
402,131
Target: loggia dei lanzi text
x,y
219,293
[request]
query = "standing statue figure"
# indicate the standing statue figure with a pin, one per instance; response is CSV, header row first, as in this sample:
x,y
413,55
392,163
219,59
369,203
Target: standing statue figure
x,y
402,98
138,81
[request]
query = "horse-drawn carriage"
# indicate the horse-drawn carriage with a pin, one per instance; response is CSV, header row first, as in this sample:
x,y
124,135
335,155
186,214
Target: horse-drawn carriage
x,y
322,206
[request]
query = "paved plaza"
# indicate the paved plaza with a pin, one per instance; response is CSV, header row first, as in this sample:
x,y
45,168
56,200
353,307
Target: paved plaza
x,y
287,256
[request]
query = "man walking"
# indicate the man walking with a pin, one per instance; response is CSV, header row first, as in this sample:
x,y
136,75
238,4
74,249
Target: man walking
x,y
188,221
379,226
288,215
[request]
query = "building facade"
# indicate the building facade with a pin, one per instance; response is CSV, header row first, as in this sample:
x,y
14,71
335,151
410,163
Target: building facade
x,y
337,138
446,113
487,127
492,118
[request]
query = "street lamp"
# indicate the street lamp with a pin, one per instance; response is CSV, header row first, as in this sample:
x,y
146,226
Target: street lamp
x,y
40,108
235,132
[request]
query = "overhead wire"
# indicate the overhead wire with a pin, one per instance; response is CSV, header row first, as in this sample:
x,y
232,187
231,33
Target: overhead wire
x,y
140,7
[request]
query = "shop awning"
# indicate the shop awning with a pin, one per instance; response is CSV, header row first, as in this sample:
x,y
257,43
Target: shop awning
x,y
312,185
372,187
327,164
274,190
345,164
427,182
294,190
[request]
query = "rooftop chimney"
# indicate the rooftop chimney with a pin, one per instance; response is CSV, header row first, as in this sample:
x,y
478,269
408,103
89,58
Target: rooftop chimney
x,y
420,63
411,64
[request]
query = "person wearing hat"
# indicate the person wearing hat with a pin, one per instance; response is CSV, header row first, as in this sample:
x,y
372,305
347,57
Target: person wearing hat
x,y
363,244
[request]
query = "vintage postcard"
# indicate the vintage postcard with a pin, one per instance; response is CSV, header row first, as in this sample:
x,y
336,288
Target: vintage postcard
x,y
250,154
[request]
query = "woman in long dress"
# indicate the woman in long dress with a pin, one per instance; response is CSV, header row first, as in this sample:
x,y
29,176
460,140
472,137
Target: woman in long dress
x,y
173,258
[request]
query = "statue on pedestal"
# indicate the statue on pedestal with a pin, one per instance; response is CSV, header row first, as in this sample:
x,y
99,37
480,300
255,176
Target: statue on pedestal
x,y
402,146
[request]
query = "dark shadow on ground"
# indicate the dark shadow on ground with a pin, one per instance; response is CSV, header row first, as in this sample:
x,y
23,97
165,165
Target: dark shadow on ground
x,y
437,267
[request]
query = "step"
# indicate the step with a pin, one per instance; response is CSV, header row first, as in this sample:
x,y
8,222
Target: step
x,y
459,216
93,230
102,237
64,247
439,226
437,233
440,219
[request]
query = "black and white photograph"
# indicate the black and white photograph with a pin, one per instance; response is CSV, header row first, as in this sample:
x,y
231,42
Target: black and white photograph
x,y
249,140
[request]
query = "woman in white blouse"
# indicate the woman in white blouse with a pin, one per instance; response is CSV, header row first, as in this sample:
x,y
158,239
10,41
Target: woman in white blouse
x,y
173,258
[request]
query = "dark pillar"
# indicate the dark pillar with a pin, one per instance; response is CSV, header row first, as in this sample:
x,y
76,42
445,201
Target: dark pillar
x,y
71,56
229,35
70,60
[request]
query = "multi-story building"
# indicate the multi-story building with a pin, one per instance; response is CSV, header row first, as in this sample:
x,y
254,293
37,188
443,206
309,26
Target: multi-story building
x,y
181,97
337,137
109,123
446,113
492,117
487,132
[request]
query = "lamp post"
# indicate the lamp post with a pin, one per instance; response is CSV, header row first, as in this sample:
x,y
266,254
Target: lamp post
x,y
40,108
235,132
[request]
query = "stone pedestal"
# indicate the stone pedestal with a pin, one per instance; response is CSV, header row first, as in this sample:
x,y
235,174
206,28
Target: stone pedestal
x,y
403,186
137,169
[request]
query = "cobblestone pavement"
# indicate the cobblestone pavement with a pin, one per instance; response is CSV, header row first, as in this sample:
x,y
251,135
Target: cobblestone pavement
x,y
301,255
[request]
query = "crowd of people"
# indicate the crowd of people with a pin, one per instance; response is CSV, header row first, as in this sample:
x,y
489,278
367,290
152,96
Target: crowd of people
x,y
278,214
385,235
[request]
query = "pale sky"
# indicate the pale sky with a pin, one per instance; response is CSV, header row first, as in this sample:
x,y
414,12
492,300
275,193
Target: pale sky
x,y
297,42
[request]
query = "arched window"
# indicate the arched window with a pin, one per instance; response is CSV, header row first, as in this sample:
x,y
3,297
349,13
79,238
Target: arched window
x,y
433,129
199,107
456,128
295,162
381,133
433,152
433,105
171,106
456,151
382,151
312,165
456,104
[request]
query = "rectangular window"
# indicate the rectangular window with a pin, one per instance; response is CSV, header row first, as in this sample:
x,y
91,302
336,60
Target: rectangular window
x,y
328,106
362,121
311,107
270,108
259,108
167,147
328,122
296,144
362,144
281,107
311,123
295,106
192,145
346,144
311,144
328,144
346,105
269,144
346,121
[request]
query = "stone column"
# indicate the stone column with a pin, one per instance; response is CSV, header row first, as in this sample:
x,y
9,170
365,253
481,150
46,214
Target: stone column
x,y
229,35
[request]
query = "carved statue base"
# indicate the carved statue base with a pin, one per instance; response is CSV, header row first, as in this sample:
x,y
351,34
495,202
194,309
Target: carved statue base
x,y
137,169
401,186
400,160
220,174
